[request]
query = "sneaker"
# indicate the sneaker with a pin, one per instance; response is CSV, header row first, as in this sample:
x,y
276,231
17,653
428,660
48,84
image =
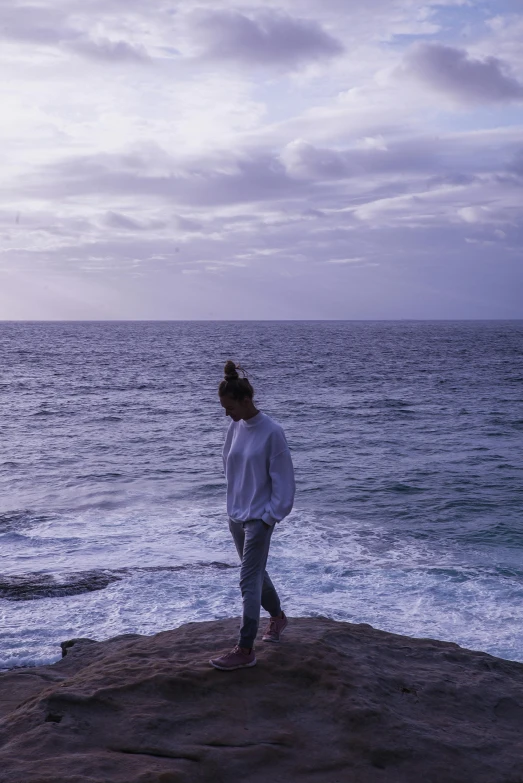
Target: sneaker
x,y
276,627
236,659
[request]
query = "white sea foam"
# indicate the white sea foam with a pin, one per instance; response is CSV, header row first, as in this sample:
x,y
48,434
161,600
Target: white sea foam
x,y
359,574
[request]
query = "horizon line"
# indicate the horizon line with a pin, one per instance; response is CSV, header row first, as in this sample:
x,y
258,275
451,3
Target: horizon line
x,y
250,320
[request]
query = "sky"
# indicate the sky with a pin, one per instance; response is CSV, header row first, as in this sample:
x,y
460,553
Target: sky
x,y
291,159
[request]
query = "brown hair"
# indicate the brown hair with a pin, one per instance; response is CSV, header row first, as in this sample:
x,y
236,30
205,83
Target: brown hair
x,y
234,386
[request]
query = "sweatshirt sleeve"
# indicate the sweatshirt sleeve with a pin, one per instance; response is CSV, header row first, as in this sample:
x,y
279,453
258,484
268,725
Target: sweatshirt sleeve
x,y
281,471
225,450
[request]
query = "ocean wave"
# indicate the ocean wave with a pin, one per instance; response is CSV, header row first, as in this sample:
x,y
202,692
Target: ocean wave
x,y
388,402
43,542
500,534
406,488
21,518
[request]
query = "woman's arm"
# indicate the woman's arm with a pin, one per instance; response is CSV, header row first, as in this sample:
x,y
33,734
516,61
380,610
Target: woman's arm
x,y
281,471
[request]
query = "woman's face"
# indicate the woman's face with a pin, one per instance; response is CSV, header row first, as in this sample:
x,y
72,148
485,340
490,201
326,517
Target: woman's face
x,y
234,408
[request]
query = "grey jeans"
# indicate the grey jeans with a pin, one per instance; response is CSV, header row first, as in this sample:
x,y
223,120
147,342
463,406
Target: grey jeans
x,y
252,539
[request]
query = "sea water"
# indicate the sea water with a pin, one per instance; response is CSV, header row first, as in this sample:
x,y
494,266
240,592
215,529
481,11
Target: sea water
x,y
407,441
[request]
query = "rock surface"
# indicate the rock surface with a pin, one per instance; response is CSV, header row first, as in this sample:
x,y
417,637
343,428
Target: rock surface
x,y
334,703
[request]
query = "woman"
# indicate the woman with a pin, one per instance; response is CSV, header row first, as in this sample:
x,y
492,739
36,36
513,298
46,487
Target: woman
x,y
260,492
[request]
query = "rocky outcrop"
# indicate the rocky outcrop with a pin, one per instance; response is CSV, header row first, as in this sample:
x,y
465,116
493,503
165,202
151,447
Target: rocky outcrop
x,y
334,703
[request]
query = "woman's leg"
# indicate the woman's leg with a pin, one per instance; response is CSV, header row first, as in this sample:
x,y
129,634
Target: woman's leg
x,y
252,540
270,599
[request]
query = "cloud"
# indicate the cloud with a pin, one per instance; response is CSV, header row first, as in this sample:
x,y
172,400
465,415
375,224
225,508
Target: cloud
x,y
499,213
301,183
442,159
355,260
265,38
32,24
459,76
27,24
516,164
473,214
108,51
122,222
303,160
187,225
214,180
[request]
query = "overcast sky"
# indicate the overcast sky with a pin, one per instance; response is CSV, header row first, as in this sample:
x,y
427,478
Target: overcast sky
x,y
258,160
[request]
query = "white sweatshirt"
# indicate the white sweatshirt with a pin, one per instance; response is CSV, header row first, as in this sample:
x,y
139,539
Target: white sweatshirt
x,y
258,467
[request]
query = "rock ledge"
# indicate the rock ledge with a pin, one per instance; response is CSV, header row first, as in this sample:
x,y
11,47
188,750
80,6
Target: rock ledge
x,y
334,703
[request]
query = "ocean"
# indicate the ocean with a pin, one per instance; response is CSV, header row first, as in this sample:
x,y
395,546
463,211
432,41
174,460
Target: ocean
x,y
407,443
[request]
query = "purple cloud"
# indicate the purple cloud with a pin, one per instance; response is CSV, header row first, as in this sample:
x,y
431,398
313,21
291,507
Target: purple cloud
x,y
454,72
516,164
32,24
303,160
108,51
123,222
259,176
119,221
187,224
266,39
48,27
442,159
255,177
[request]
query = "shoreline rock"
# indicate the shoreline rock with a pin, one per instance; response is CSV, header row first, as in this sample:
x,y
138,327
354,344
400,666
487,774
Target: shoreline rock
x,y
334,703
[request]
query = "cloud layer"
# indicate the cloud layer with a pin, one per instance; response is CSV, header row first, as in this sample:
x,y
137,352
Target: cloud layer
x,y
49,27
267,38
453,72
302,160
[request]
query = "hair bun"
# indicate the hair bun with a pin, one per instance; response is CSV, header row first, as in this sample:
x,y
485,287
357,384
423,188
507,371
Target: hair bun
x,y
230,372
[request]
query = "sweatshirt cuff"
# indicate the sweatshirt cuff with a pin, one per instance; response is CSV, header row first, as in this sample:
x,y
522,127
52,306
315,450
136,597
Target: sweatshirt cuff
x,y
268,519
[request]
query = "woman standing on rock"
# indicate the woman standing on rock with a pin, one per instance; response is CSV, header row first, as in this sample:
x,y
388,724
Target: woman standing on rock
x,y
260,492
